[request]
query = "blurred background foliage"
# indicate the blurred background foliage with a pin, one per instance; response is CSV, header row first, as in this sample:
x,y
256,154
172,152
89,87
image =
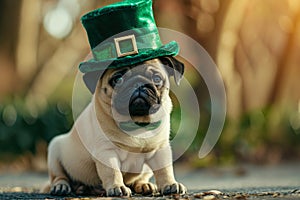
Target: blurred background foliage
x,y
254,43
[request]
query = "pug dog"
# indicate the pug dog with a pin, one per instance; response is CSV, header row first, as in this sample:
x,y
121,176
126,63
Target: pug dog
x,y
122,138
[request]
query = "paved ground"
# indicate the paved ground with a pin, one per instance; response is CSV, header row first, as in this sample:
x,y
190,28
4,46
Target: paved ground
x,y
284,175
243,182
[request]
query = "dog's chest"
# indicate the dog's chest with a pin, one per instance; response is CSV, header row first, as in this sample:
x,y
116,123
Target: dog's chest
x,y
133,162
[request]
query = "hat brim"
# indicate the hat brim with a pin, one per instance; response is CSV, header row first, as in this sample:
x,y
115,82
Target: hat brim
x,y
170,49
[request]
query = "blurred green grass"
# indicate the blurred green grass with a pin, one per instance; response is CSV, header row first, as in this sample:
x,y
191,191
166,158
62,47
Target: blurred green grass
x,y
21,129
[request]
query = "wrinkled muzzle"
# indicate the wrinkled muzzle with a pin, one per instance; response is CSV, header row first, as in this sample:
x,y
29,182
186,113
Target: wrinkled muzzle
x,y
138,97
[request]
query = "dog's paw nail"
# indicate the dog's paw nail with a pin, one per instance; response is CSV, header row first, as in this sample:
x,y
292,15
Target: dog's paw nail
x,y
119,191
115,192
126,191
182,189
167,190
60,189
175,188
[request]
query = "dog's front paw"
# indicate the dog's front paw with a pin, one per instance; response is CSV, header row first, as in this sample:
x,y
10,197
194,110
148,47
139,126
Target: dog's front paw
x,y
175,188
61,187
118,191
144,188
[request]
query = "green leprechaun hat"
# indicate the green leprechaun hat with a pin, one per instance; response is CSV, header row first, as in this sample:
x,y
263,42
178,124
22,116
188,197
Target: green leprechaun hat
x,y
123,34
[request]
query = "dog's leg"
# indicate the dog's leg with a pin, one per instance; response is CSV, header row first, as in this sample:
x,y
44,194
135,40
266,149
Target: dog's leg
x,y
161,164
58,178
112,179
166,182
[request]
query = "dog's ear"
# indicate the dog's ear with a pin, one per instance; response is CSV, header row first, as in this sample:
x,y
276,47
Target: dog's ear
x,y
176,68
91,79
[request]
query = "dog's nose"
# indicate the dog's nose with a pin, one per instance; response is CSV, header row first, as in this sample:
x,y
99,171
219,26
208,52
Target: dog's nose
x,y
142,100
138,92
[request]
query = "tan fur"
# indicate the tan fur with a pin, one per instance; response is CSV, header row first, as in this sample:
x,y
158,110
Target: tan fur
x,y
110,152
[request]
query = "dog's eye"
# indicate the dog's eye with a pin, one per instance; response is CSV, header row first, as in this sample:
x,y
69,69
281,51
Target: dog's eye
x,y
117,80
157,79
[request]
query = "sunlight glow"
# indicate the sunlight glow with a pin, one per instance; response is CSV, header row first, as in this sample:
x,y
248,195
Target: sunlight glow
x,y
58,22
